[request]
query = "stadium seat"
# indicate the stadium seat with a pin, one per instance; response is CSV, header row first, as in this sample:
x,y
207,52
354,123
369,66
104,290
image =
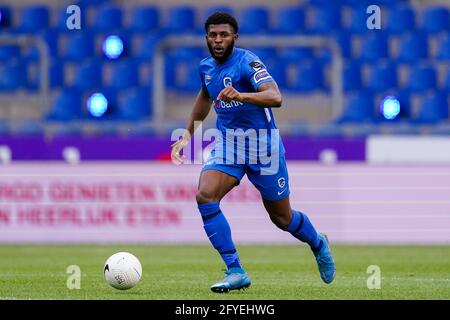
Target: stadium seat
x,y
67,106
145,19
5,17
383,77
79,45
422,78
358,108
290,55
181,19
8,52
352,76
358,20
413,47
309,77
290,20
13,75
108,18
88,75
134,104
436,19
443,49
254,19
210,10
34,18
374,47
147,46
326,19
124,75
434,108
401,19
264,53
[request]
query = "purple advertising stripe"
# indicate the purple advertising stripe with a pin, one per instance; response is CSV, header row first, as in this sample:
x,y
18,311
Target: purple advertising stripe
x,y
158,147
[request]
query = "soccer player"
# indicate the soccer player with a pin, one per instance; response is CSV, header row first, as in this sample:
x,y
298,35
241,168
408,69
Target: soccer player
x,y
242,90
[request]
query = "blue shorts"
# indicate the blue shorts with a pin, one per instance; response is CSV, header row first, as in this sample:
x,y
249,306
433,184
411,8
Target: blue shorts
x,y
273,186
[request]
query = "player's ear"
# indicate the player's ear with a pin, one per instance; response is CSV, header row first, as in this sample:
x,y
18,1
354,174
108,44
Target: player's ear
x,y
236,36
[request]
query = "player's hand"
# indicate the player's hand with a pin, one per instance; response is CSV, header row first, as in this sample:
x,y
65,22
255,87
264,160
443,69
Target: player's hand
x,y
176,149
228,94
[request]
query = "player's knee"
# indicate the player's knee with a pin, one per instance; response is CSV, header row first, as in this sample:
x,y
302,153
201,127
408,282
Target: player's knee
x,y
281,221
204,196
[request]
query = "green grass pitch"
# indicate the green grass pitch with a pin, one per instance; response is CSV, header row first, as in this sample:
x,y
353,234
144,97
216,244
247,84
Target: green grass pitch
x,y
186,272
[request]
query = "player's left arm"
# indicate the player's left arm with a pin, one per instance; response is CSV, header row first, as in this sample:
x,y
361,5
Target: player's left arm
x,y
267,95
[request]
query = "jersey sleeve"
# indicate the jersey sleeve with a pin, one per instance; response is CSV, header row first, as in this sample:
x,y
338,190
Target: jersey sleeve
x,y
255,71
202,79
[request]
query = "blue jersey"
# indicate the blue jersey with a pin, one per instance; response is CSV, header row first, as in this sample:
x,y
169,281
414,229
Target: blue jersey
x,y
245,72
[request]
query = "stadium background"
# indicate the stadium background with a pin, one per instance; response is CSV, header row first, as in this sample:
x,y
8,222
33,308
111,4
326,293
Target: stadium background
x,y
86,126
85,145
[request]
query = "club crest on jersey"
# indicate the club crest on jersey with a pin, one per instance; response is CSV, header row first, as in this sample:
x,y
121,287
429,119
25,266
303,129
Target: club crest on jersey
x,y
281,182
227,82
261,75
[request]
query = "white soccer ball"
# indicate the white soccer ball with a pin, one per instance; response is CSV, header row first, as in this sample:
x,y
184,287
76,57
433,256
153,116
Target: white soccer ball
x,y
122,270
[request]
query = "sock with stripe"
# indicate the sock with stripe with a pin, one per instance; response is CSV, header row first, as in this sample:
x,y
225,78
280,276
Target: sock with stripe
x,y
301,228
219,233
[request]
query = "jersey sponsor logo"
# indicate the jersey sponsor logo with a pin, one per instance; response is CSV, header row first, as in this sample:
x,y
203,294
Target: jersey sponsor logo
x,y
256,65
227,82
225,105
261,75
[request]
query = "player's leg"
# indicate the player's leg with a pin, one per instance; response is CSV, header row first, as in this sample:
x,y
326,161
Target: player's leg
x,y
298,224
274,189
213,186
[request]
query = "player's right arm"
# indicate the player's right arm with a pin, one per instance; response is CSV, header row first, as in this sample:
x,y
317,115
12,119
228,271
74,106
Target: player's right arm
x,y
201,109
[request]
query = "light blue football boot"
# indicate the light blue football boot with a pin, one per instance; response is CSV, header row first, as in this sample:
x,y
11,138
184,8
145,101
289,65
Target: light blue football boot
x,y
325,262
236,279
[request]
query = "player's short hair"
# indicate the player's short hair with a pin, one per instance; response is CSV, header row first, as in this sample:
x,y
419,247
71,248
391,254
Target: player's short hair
x,y
221,18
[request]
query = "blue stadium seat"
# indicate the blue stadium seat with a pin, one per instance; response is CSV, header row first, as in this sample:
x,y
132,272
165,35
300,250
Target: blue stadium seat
x,y
67,105
264,53
413,47
34,18
108,18
181,19
145,19
383,77
294,54
326,19
124,75
358,20
210,10
254,19
374,47
436,19
447,81
422,78
135,104
8,52
50,39
13,75
88,75
401,19
443,49
80,45
5,17
358,108
434,108
290,20
147,47
309,77
351,75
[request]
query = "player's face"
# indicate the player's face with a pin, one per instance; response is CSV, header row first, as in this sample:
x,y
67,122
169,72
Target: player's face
x,y
220,40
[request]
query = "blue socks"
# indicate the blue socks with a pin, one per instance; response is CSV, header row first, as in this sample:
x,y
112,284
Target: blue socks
x,y
219,233
301,228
